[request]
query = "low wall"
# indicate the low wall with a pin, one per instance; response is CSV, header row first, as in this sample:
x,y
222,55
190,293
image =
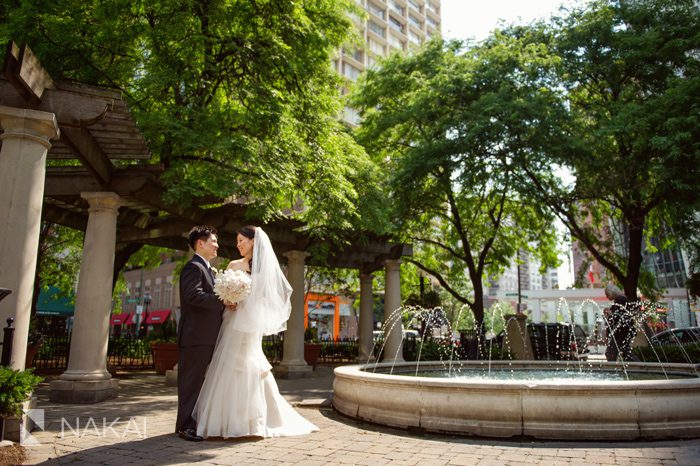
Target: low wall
x,y
597,410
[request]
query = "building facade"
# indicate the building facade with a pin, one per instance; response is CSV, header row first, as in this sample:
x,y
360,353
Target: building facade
x,y
389,26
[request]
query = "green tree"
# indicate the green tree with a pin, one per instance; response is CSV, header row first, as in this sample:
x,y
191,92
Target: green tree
x,y
448,125
629,132
235,97
58,260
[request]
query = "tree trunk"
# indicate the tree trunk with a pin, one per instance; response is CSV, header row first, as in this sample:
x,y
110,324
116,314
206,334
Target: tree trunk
x,y
634,261
121,257
478,306
41,251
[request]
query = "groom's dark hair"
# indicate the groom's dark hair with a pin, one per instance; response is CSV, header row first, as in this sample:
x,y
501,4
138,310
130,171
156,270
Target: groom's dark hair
x,y
200,232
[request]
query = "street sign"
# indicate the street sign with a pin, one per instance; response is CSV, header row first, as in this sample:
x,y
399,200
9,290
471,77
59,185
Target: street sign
x,y
139,309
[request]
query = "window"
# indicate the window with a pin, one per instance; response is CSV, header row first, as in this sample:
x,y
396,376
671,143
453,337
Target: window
x,y
429,5
414,4
395,24
431,22
394,5
376,47
415,21
350,71
414,38
155,303
168,295
371,62
376,28
375,10
395,42
351,116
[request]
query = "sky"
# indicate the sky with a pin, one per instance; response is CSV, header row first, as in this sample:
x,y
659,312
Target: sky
x,y
463,19
475,19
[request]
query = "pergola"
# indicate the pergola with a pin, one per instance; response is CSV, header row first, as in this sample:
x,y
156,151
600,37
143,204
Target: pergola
x,y
106,188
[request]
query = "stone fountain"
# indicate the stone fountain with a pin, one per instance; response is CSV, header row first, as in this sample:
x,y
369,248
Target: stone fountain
x,y
637,401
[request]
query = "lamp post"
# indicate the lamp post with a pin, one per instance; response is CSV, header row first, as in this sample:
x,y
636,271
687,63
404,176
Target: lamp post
x,y
146,302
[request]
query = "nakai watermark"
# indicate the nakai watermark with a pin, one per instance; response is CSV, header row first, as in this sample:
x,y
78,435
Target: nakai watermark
x,y
79,427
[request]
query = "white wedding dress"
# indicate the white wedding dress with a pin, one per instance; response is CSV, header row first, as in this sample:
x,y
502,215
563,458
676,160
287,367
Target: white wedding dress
x,y
239,396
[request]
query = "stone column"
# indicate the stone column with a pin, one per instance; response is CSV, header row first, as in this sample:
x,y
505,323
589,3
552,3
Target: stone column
x,y
392,302
366,317
293,364
25,141
87,379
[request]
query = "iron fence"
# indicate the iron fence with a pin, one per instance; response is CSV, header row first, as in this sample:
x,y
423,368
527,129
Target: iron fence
x,y
122,353
272,348
129,352
52,354
341,350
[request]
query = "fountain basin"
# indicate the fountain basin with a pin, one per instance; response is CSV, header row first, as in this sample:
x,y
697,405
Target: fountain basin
x,y
566,409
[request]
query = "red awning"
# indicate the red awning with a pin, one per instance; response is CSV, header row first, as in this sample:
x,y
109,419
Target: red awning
x,y
130,319
157,317
119,319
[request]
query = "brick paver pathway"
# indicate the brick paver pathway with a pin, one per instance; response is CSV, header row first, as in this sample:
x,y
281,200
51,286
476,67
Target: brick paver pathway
x,y
146,410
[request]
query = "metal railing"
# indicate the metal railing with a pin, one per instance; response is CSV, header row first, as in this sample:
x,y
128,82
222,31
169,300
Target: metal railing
x,y
272,348
122,353
341,350
128,352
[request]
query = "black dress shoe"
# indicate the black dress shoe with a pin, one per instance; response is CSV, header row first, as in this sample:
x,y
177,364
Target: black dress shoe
x,y
190,435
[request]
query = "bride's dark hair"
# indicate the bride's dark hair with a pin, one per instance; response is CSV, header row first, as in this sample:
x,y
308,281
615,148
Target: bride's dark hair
x,y
248,231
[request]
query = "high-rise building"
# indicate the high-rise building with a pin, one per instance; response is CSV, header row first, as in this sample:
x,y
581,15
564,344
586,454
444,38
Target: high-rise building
x,y
527,270
389,26
669,266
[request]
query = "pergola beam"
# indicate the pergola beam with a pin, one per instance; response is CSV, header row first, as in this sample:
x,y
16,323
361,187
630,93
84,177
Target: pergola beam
x,y
90,153
71,181
70,108
23,69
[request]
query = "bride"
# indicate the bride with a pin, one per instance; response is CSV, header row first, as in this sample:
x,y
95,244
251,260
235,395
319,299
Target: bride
x,y
240,396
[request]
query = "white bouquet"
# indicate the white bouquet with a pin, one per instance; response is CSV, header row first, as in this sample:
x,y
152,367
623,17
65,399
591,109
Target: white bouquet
x,y
232,285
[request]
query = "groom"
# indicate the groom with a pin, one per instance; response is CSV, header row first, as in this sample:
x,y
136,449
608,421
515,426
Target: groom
x,y
200,319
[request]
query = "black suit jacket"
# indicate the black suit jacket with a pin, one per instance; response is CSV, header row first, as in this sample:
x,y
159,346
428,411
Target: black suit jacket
x,y
200,309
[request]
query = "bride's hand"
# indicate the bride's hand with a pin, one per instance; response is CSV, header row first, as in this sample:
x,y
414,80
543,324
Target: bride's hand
x,y
230,307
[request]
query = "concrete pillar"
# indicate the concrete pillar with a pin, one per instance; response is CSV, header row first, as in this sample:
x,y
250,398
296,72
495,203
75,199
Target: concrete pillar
x,y
392,302
25,141
366,317
293,364
536,308
87,380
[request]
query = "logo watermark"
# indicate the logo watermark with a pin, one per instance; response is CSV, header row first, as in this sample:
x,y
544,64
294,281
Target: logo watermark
x,y
80,427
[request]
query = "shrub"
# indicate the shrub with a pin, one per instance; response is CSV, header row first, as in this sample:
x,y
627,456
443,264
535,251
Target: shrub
x,y
15,388
689,353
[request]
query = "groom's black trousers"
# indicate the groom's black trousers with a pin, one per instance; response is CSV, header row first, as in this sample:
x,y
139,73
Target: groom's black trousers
x,y
191,367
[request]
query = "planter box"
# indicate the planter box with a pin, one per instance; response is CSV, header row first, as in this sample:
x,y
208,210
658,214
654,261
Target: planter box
x,y
311,353
164,356
14,425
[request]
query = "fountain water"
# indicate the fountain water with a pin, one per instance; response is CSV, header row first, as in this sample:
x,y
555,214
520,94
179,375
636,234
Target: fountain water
x,y
633,400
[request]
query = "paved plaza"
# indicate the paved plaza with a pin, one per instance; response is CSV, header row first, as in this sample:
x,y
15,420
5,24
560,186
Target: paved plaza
x,y
137,429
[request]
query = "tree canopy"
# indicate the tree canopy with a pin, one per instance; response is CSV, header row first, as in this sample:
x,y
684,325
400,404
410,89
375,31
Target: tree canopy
x,y
447,125
236,98
630,135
